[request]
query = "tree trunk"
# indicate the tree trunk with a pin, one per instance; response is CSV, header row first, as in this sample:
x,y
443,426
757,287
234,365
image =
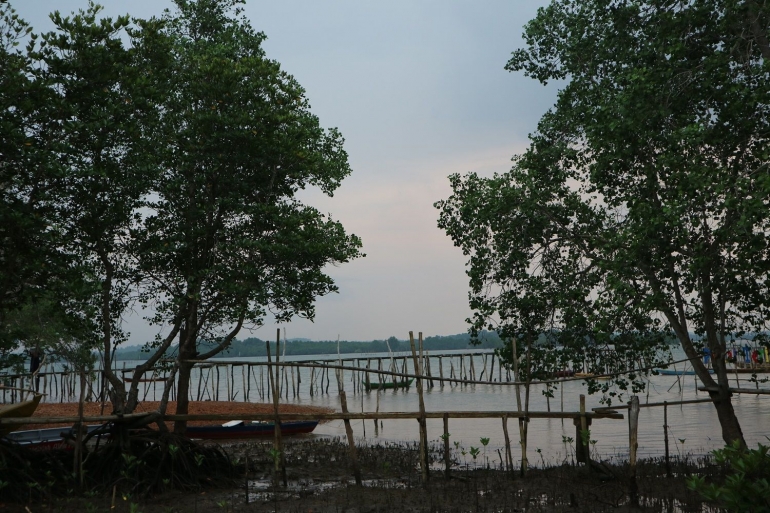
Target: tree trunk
x,y
722,398
731,428
183,391
187,351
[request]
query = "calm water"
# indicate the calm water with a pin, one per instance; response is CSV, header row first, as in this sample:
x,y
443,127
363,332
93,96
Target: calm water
x,y
693,428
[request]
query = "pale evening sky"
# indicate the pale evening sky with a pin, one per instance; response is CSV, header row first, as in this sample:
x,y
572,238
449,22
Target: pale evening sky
x,y
418,90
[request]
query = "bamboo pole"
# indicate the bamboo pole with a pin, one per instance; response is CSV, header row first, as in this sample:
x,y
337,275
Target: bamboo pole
x,y
736,390
277,442
244,382
447,458
227,383
421,421
633,444
216,391
665,438
349,432
582,438
200,382
15,421
262,390
78,456
525,420
522,434
508,454
652,405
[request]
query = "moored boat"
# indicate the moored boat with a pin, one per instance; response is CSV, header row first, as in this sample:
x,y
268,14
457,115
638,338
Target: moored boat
x,y
47,438
371,385
16,410
239,429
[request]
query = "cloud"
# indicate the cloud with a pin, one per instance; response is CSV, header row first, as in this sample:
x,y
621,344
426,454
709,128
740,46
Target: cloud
x,y
419,91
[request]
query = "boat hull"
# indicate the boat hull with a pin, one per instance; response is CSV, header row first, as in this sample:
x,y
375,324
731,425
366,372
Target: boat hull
x,y
46,439
389,385
22,409
253,430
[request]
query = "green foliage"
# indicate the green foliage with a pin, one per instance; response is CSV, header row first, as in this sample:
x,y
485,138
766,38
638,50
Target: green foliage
x,y
156,163
746,488
640,209
256,347
225,240
275,454
28,256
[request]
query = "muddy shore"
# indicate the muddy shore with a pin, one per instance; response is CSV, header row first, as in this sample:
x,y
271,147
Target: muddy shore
x,y
319,479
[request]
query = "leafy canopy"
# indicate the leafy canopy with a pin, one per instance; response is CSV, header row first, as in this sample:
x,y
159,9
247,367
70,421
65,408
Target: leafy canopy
x,y
641,208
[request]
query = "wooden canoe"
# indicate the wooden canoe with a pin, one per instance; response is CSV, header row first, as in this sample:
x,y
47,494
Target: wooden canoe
x,y
22,409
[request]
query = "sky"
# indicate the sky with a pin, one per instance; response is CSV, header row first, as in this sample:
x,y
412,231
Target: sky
x,y
419,91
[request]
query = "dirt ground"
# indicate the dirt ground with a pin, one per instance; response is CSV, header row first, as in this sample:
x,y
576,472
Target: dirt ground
x,y
319,479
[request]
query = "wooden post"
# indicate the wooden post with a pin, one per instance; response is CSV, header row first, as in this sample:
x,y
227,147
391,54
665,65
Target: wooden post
x,y
522,427
230,382
426,366
376,425
299,381
665,437
508,454
262,390
272,378
582,423
447,458
78,463
349,431
216,391
633,431
526,402
421,421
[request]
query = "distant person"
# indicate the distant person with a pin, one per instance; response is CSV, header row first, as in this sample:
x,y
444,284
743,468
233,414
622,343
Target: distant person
x,y
706,356
34,364
34,359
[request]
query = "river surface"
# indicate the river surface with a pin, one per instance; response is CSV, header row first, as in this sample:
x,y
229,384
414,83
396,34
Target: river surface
x,y
693,428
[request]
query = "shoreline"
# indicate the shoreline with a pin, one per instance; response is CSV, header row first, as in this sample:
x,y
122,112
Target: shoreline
x,y
195,408
319,479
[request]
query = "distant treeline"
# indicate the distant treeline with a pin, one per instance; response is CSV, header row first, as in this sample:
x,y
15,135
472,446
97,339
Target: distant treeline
x,y
257,347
